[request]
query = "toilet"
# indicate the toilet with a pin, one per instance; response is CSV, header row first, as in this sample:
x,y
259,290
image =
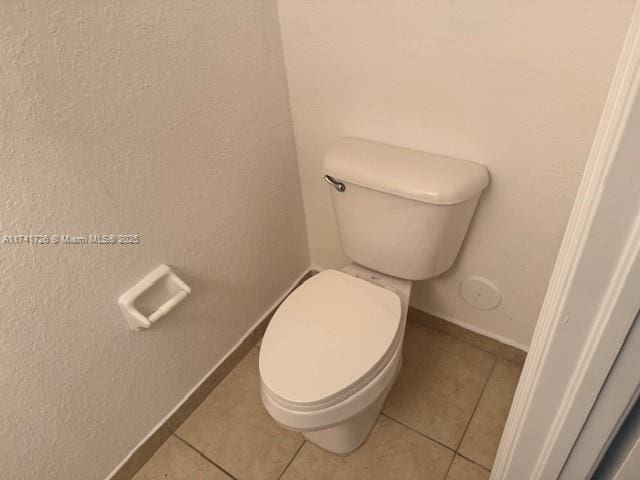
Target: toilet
x,y
333,348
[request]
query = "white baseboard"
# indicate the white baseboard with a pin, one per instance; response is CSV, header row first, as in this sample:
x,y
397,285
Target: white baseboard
x,y
476,329
164,421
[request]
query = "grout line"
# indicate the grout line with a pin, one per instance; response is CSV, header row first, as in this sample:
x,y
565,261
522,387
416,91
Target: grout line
x,y
493,367
204,456
455,452
418,432
292,459
474,462
453,459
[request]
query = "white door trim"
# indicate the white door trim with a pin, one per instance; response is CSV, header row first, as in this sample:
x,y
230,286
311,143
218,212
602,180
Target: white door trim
x,y
589,305
631,465
616,400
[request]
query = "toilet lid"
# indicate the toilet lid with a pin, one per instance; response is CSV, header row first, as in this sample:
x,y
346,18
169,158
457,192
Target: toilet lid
x,y
328,337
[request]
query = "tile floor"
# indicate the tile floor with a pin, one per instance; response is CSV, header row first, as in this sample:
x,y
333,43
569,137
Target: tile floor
x,y
443,420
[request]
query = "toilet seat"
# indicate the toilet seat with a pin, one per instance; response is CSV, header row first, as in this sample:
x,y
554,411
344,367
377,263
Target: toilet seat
x,y
328,340
321,417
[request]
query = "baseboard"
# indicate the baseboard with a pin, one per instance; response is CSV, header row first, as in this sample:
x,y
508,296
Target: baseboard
x,y
475,329
154,440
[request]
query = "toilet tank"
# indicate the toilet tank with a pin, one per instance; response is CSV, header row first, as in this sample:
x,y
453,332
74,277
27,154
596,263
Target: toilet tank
x,y
401,212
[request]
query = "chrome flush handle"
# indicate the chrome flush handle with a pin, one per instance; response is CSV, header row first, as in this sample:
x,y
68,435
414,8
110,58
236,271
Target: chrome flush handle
x,y
339,186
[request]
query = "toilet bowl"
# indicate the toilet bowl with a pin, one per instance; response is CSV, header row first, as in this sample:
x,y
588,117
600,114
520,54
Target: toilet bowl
x,y
333,349
332,353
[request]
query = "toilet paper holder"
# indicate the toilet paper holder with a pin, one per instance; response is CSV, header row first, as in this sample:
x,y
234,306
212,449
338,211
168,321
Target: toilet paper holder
x,y
126,302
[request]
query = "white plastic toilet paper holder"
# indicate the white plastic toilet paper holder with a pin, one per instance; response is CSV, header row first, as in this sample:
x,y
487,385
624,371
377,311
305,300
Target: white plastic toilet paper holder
x,y
137,320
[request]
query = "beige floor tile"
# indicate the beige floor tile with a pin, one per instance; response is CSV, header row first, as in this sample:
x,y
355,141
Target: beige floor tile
x,y
233,429
142,454
210,383
475,339
513,354
176,461
439,385
481,440
391,452
463,469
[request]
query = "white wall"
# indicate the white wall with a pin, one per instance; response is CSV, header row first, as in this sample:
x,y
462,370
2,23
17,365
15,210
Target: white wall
x,y
518,86
165,119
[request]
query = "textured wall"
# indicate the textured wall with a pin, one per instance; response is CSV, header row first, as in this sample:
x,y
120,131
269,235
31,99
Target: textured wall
x,y
169,120
518,86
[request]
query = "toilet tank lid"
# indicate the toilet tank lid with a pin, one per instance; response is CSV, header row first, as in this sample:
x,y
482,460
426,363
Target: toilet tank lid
x,y
420,176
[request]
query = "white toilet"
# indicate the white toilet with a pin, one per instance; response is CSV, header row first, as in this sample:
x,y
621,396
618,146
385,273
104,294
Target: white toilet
x,y
333,349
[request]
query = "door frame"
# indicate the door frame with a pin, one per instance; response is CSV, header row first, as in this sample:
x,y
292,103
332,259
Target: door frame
x,y
600,437
593,294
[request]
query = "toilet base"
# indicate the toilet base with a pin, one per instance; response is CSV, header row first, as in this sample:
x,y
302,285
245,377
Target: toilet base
x,y
347,436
